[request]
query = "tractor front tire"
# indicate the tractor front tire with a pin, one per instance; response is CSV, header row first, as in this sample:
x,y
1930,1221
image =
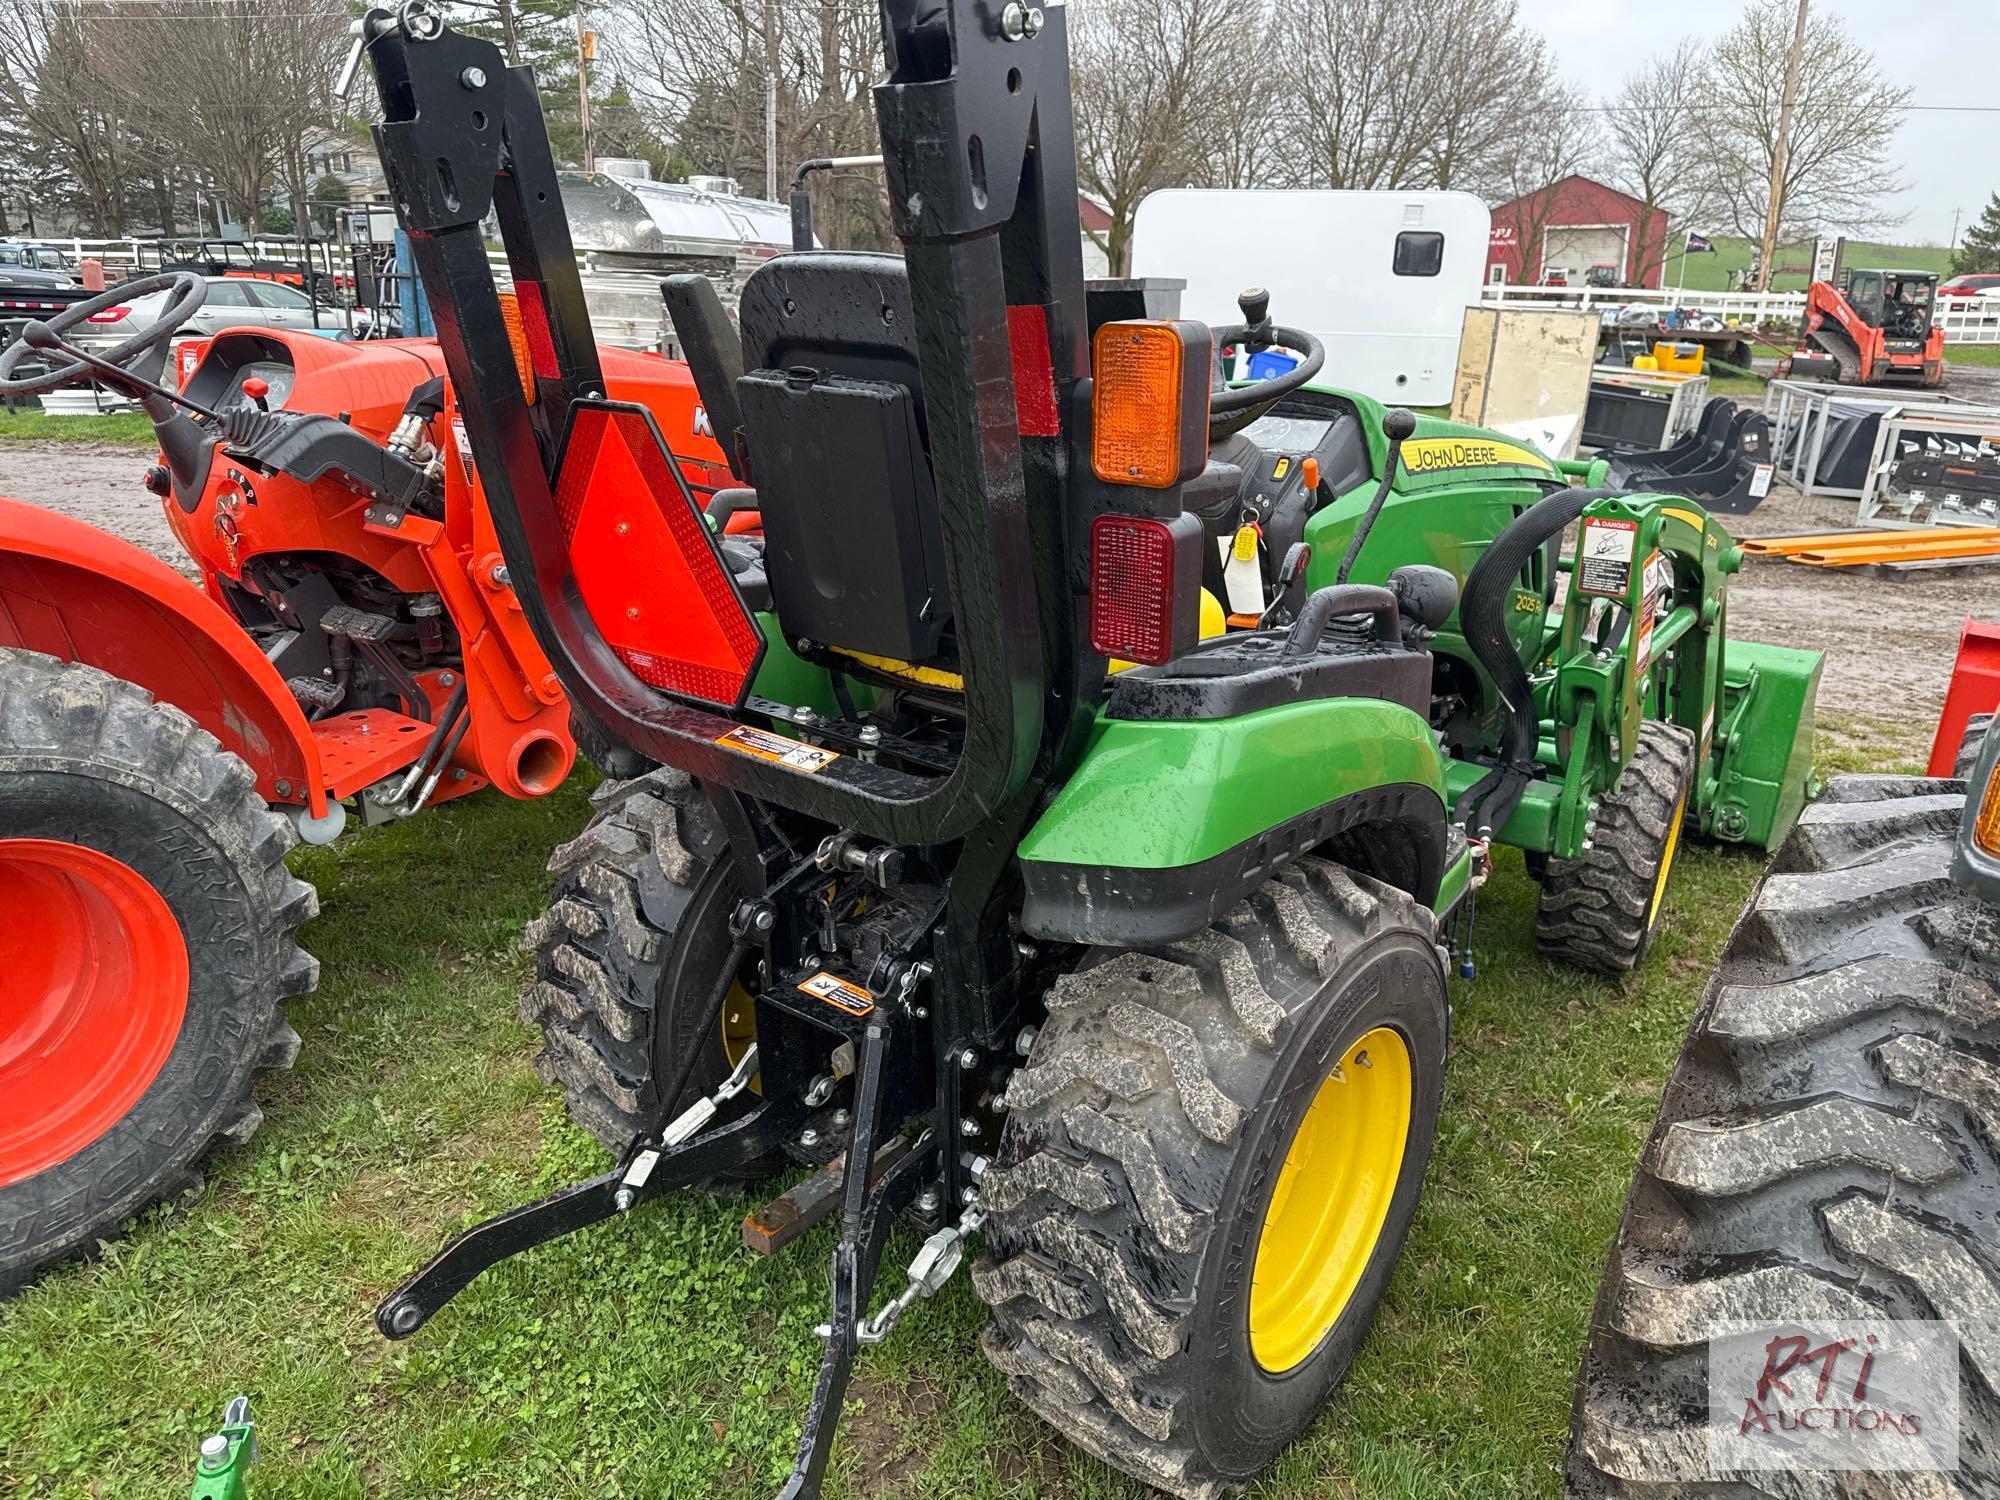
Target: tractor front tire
x,y
1207,1170
1601,910
1824,1149
148,943
627,955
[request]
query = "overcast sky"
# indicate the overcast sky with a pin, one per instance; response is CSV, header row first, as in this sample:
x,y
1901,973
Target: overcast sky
x,y
1942,48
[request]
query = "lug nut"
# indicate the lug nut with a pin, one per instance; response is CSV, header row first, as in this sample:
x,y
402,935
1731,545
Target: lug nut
x,y
968,1059
1024,1040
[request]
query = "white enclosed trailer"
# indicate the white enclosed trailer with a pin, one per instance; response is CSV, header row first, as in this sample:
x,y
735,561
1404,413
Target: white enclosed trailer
x,y
1382,278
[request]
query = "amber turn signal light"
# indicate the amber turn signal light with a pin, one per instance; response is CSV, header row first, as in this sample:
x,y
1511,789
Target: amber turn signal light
x,y
1149,402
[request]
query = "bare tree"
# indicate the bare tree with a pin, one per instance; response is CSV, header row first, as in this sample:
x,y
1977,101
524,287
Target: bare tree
x,y
1837,171
1567,140
699,72
1140,72
54,96
1396,95
1656,148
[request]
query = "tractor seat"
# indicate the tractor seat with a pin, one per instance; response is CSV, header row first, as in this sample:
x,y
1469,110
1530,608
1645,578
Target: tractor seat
x,y
834,421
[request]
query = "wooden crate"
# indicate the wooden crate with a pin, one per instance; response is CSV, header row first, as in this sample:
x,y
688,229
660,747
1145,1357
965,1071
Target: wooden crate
x,y
1522,366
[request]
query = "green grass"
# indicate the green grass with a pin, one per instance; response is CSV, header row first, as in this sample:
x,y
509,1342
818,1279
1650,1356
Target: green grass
x,y
1972,354
30,425
656,1357
1710,272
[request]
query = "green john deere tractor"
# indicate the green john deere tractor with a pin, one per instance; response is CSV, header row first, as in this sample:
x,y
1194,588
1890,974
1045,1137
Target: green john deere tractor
x,y
973,856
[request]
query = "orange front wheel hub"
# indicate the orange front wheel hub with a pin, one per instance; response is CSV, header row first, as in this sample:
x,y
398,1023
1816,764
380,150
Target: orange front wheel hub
x,y
93,990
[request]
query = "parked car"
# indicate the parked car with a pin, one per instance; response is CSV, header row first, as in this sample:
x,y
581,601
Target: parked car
x,y
233,302
1971,284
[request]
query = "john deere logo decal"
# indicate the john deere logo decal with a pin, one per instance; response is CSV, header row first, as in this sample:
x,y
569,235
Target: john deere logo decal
x,y
1430,455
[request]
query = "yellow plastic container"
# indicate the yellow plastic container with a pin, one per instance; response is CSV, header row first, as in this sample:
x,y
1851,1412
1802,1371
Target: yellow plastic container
x,y
1678,359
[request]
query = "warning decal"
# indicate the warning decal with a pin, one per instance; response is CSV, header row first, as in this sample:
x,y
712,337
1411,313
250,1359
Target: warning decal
x,y
838,993
775,748
1604,561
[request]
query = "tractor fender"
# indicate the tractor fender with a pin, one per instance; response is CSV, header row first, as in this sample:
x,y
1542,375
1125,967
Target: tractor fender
x,y
1165,824
74,592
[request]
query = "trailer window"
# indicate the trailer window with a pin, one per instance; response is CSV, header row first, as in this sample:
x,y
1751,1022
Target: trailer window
x,y
1419,252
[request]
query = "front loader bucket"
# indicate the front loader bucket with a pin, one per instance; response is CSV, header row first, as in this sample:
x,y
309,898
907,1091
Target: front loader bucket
x,y
1759,765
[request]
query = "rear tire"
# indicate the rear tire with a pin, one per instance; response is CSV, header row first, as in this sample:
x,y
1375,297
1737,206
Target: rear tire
x,y
1144,1143
120,817
627,955
1970,745
1601,910
1824,1146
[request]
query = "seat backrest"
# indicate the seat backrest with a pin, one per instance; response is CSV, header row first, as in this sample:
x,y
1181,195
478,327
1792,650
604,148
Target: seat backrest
x,y
834,422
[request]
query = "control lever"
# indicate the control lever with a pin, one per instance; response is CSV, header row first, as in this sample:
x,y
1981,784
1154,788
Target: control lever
x,y
1290,584
1397,426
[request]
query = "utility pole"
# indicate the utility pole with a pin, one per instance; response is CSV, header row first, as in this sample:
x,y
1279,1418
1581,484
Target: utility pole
x,y
1776,202
586,52
771,100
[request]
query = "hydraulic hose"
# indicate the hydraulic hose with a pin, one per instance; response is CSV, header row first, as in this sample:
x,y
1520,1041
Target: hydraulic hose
x,y
1490,802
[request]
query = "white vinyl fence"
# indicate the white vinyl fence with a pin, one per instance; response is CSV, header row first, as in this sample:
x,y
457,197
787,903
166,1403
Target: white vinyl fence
x,y
1971,320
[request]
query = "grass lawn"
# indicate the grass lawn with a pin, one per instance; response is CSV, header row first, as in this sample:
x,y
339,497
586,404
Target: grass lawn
x,y
1710,272
656,1357
1972,354
31,425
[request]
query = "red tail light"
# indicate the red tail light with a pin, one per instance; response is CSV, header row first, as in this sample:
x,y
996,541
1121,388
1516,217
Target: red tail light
x,y
1145,586
110,315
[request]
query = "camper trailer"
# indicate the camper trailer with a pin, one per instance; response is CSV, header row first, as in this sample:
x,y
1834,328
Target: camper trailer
x,y
1383,279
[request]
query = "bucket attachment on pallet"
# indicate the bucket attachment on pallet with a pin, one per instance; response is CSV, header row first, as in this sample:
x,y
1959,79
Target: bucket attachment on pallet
x,y
1725,462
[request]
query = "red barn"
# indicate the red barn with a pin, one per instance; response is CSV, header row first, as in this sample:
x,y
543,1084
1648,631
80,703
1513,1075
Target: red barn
x,y
1571,226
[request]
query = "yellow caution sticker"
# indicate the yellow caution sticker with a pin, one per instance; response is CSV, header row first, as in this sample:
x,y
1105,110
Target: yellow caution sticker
x,y
838,993
760,744
1430,455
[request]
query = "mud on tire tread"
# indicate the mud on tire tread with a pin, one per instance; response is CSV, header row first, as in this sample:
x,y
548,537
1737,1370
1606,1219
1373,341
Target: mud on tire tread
x,y
1970,745
1119,1137
88,758
1594,908
1826,1146
650,862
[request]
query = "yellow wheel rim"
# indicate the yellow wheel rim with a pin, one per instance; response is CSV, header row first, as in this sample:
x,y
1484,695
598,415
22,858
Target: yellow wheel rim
x,y
1331,1200
739,1028
1667,859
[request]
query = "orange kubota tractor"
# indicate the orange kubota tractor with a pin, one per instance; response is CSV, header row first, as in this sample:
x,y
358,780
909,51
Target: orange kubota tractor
x,y
353,642
1876,328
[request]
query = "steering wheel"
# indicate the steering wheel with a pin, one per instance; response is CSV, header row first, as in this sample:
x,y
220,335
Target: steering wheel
x,y
186,294
1231,409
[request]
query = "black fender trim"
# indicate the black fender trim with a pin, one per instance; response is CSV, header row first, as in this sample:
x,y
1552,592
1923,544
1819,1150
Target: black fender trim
x,y
1123,907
